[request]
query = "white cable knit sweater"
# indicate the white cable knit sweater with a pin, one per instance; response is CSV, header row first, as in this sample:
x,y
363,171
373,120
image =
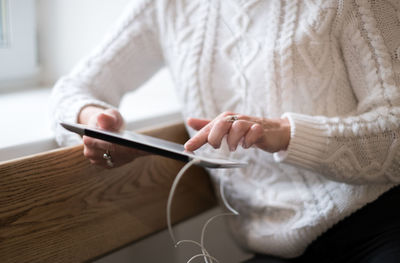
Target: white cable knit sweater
x,y
331,66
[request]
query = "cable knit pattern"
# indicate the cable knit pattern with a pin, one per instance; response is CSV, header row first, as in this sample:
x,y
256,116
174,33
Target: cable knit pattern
x,y
208,61
286,52
331,67
380,53
272,65
241,50
194,57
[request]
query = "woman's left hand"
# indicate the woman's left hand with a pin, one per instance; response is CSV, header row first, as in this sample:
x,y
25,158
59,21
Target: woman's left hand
x,y
271,135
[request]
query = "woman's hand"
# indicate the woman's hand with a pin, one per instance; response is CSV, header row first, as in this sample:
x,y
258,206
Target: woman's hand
x,y
271,135
94,149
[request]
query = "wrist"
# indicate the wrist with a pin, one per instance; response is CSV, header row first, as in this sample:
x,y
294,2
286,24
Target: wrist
x,y
285,127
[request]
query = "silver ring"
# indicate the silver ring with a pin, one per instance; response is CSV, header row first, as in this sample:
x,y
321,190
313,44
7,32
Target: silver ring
x,y
108,158
231,118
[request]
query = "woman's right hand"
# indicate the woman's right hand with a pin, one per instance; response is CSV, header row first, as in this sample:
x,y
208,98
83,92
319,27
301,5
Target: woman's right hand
x,y
94,149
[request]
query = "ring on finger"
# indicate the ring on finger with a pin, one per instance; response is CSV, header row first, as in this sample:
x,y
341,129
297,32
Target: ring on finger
x,y
231,118
108,158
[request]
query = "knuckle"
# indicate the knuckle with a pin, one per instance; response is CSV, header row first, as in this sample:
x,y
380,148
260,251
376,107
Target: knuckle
x,y
220,123
256,128
239,125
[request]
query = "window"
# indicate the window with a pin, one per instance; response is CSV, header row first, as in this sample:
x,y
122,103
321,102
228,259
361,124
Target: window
x,y
18,47
54,35
4,24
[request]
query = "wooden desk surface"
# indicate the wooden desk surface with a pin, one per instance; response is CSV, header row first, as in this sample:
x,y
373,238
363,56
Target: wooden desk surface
x,y
56,207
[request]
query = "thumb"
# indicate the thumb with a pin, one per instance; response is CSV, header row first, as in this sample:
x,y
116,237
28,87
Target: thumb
x,y
110,120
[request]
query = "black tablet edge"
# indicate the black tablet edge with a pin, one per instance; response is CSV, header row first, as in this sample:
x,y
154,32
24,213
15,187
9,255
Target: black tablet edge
x,y
128,143
139,146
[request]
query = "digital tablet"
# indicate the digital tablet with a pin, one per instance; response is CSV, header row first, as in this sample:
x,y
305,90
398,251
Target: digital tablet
x,y
153,145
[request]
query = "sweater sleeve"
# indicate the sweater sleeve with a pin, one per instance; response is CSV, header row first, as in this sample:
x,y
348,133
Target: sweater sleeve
x,y
363,147
127,57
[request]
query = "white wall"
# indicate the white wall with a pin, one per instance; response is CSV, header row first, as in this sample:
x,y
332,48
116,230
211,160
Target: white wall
x,y
69,29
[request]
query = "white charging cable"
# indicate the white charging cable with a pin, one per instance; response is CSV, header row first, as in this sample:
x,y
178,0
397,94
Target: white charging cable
x,y
204,253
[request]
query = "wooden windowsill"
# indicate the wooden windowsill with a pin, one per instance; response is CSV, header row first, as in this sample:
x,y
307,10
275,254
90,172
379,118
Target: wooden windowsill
x,y
56,207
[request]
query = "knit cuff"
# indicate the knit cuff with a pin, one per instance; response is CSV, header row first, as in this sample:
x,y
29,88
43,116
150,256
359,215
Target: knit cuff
x,y
308,141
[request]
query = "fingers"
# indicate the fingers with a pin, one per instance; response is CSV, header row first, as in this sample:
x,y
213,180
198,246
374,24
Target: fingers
x,y
254,135
219,129
270,135
97,144
211,132
106,121
237,132
110,120
237,128
95,156
197,124
198,140
94,150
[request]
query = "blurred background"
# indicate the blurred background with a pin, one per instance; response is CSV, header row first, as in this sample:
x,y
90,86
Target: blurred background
x,y
42,40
